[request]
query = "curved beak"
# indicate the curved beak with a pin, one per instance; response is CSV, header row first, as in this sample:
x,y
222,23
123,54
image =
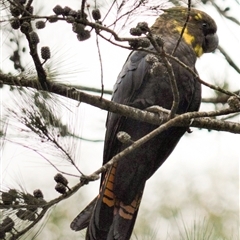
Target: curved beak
x,y
211,43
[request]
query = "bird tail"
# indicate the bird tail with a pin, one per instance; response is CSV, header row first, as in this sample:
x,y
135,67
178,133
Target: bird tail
x,y
82,220
107,217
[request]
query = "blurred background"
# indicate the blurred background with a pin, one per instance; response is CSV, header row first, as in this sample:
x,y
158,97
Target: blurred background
x,y
195,193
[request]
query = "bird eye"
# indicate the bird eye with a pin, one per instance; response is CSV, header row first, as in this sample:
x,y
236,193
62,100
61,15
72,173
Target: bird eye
x,y
204,25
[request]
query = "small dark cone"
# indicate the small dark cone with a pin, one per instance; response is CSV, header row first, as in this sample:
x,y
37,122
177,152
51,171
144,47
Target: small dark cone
x,y
45,53
53,19
37,193
60,188
25,27
84,35
34,38
40,24
58,10
66,10
96,14
78,27
59,178
15,10
135,31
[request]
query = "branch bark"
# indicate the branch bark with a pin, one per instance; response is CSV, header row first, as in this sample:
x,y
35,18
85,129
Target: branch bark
x,y
201,119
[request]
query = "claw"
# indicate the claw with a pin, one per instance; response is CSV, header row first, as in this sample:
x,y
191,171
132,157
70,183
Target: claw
x,y
159,110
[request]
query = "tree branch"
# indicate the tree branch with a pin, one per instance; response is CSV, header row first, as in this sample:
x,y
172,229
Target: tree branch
x,y
200,80
229,59
223,13
131,112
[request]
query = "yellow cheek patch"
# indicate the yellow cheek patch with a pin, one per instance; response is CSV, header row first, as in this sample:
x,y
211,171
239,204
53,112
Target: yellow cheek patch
x,y
198,50
198,16
188,38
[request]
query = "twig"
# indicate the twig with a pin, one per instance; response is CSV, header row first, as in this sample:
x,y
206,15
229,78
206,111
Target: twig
x,y
101,67
172,122
45,207
172,78
40,154
90,89
29,3
114,43
219,99
132,147
83,21
200,80
120,39
42,77
184,118
109,10
33,122
183,29
82,7
174,87
229,59
126,13
224,13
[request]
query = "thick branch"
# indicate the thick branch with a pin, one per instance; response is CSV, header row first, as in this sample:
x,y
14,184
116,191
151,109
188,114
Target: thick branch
x,y
130,111
218,99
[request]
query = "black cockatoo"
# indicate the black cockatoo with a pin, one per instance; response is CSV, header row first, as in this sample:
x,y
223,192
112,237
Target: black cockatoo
x,y
112,214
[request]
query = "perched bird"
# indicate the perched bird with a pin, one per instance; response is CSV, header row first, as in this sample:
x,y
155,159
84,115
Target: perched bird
x,y
112,214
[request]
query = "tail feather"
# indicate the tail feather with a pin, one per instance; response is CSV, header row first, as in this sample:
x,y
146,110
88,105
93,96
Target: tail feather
x,y
111,218
107,217
124,220
118,225
82,220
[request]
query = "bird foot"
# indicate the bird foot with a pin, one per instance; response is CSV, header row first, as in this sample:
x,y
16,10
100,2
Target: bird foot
x,y
162,112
